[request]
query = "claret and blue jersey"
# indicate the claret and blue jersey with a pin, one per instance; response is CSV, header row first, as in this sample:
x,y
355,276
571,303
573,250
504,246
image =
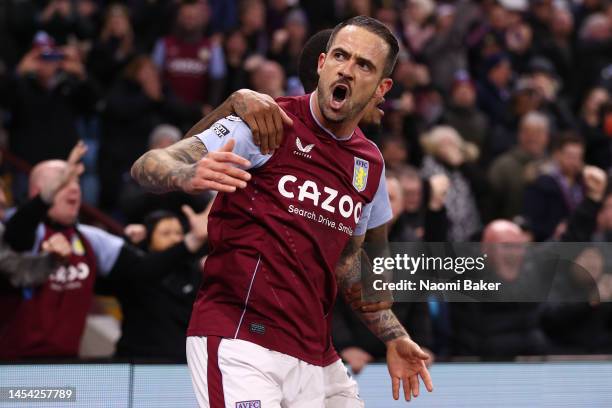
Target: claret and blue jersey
x,y
270,277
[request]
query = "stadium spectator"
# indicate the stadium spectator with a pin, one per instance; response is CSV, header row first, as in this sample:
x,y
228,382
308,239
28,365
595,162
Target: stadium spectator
x,y
134,106
592,51
51,85
418,22
47,320
546,82
557,190
114,48
507,329
444,52
287,41
236,53
581,297
189,61
268,78
252,16
511,171
24,269
596,137
66,20
423,215
448,154
500,329
494,88
559,48
156,302
462,114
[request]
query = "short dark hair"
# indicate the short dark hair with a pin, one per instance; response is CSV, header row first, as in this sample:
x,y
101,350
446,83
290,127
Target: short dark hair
x,y
375,27
152,219
309,59
566,139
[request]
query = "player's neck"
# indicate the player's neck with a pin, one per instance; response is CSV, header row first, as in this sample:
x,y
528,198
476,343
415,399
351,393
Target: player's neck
x,y
339,131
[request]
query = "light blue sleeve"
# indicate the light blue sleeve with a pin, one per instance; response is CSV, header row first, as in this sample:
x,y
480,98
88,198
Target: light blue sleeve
x,y
232,127
159,54
105,246
217,62
378,211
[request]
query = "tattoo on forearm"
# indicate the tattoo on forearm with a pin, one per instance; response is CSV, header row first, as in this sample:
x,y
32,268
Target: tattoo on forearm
x,y
383,324
166,170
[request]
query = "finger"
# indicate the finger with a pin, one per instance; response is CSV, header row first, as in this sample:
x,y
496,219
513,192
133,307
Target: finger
x,y
188,211
216,186
230,170
79,169
228,157
414,385
286,119
263,134
223,178
395,384
252,124
422,355
278,125
424,373
406,385
271,135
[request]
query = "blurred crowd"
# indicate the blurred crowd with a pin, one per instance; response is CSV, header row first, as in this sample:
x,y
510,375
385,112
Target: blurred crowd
x,y
498,128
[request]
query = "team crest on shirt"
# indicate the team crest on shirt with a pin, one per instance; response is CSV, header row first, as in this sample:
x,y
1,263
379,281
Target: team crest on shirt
x,y
77,246
360,174
249,404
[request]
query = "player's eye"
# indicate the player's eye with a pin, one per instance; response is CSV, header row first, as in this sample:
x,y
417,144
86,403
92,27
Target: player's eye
x,y
339,56
364,66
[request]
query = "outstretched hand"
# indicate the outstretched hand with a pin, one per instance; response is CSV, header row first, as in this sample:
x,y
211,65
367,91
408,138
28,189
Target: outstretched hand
x,y
217,171
406,363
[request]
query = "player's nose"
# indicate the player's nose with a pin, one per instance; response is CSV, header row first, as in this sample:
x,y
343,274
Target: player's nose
x,y
345,71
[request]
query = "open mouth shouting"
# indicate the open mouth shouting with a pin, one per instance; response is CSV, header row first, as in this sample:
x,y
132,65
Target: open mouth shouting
x,y
339,95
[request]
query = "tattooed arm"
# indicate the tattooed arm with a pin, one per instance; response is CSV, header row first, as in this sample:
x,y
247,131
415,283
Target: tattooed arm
x,y
405,359
382,323
188,166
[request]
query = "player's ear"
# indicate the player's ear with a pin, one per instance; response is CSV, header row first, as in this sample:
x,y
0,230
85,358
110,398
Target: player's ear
x,y
383,87
320,63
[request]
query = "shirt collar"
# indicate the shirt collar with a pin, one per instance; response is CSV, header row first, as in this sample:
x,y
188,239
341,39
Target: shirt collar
x,y
329,132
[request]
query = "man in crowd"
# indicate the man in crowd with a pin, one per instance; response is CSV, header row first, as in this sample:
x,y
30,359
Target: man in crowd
x,y
47,319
